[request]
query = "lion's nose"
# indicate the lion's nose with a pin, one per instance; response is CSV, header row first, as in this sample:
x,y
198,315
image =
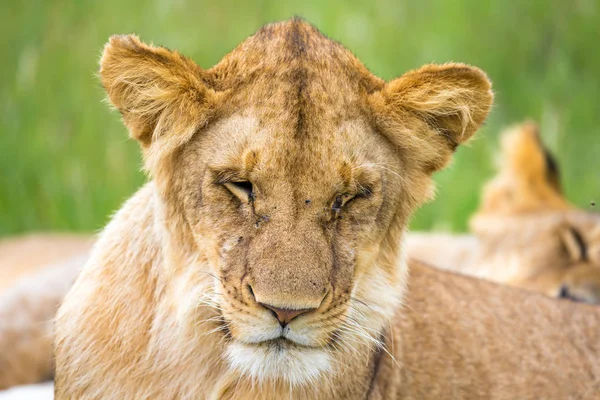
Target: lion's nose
x,y
564,292
285,315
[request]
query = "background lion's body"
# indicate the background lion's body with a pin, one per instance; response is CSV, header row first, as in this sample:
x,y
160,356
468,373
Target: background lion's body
x,y
26,255
461,338
35,273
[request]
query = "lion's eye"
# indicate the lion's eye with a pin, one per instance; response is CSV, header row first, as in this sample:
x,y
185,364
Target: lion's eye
x,y
343,199
242,190
340,201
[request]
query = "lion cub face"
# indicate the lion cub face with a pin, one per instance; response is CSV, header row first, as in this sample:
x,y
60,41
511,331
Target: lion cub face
x,y
525,221
294,170
290,227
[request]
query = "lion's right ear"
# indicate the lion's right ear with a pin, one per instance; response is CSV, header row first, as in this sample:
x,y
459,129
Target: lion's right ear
x,y
159,92
428,112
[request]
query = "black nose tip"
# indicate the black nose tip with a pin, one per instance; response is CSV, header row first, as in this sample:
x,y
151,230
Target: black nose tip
x,y
564,292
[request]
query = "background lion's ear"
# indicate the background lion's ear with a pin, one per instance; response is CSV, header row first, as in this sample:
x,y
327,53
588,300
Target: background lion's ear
x,y
431,110
528,177
527,160
159,92
574,243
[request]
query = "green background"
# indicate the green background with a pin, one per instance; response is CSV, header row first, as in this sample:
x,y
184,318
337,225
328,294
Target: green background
x,y
66,163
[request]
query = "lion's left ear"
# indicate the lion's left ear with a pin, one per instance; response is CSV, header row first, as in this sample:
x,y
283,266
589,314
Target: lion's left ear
x,y
161,94
431,110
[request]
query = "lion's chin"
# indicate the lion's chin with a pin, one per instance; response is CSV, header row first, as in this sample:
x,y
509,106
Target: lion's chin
x,y
279,360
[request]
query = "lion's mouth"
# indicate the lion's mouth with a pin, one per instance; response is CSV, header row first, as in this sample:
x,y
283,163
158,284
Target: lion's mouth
x,y
278,358
281,343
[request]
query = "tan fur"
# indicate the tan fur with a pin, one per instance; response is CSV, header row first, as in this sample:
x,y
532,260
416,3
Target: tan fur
x,y
32,253
168,306
464,338
525,232
35,273
453,252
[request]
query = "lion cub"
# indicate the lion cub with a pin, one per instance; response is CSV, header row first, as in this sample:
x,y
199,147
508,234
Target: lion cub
x,y
263,260
525,233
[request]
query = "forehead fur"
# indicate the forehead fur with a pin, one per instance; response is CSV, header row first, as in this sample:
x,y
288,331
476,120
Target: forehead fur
x,y
292,52
292,73
294,108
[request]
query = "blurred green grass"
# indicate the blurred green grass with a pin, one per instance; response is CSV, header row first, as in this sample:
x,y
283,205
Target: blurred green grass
x,y
65,162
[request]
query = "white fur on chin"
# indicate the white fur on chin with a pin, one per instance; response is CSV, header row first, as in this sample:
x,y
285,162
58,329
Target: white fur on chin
x,y
296,366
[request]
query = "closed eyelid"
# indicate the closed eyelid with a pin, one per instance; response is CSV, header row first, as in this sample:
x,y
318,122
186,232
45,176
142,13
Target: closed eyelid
x,y
341,200
243,190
